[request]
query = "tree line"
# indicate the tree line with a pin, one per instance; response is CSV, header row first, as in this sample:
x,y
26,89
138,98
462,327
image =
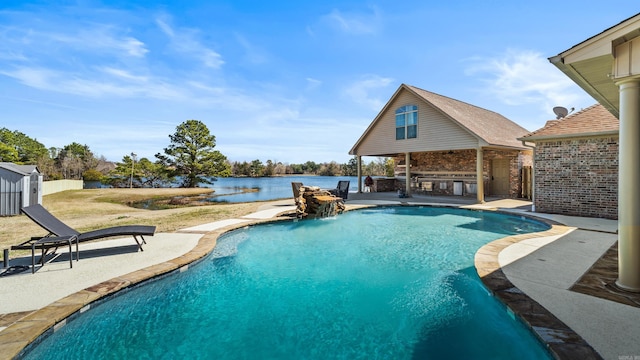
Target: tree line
x,y
190,160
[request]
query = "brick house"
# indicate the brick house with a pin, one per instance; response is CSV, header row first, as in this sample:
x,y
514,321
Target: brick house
x,y
607,66
448,145
576,164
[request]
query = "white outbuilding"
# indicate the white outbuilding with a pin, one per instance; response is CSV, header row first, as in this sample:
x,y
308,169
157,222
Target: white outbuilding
x,y
20,185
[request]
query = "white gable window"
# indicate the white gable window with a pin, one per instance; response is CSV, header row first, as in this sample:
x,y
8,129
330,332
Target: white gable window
x,y
407,122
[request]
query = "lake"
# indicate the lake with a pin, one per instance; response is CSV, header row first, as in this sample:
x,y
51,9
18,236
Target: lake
x,y
269,188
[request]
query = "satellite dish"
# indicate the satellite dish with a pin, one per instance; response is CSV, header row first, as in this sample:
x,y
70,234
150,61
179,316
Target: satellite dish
x,y
560,112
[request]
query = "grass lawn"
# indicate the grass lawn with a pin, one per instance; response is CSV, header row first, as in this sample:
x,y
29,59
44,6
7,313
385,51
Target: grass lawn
x,y
97,208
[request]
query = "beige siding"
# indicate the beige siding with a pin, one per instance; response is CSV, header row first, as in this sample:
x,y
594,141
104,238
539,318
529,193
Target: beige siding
x,y
435,131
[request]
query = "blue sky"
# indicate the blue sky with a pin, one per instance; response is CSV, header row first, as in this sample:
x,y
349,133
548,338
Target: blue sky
x,y
289,81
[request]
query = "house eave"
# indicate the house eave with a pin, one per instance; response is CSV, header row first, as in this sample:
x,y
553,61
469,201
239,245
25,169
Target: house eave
x,y
590,63
567,136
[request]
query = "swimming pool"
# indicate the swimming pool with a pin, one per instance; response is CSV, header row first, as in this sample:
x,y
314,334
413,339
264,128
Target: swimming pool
x,y
386,283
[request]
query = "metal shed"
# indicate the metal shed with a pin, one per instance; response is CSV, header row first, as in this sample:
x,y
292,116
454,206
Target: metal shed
x,y
20,185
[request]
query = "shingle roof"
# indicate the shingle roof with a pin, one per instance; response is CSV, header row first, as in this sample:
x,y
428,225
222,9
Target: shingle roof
x,y
19,169
594,120
490,126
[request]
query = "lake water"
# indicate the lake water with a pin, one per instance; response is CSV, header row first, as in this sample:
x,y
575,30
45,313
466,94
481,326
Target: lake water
x,y
270,188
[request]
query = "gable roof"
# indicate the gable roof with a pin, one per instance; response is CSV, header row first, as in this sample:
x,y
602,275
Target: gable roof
x,y
19,169
487,126
594,120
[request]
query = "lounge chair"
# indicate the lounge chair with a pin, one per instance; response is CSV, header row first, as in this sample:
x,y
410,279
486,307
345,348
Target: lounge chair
x,y
342,190
57,228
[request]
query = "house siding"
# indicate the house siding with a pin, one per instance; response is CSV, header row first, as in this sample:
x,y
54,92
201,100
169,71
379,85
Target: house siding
x,y
12,187
577,177
435,131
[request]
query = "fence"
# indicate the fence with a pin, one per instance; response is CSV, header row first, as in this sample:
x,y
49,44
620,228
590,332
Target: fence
x,y
50,187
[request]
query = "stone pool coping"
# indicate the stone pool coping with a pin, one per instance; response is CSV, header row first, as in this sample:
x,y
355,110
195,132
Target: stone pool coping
x,y
29,328
561,340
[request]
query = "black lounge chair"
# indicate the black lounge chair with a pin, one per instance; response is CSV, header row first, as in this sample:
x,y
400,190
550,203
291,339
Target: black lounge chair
x,y
57,228
342,190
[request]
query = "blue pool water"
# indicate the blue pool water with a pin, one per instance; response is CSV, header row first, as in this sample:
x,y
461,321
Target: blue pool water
x,y
384,283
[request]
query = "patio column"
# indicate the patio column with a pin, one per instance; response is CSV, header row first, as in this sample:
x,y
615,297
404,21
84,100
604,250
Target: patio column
x,y
407,161
359,162
629,187
480,175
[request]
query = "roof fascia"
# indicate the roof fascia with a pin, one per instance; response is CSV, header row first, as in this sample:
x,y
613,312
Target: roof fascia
x,y
354,149
600,45
481,141
603,43
574,75
502,147
566,136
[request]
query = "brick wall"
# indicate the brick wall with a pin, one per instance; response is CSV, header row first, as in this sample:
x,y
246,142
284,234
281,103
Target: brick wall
x,y
577,177
465,161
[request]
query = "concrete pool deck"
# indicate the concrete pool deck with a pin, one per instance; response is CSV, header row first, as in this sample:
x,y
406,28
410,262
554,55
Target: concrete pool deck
x,y
547,268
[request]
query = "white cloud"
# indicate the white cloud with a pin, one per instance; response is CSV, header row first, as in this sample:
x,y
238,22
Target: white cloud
x,y
362,91
133,47
354,23
124,75
185,41
313,83
524,77
165,28
77,38
12,56
119,83
38,78
254,54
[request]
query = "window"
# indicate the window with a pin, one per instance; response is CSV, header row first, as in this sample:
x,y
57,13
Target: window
x,y
407,122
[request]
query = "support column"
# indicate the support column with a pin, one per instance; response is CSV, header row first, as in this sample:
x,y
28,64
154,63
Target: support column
x,y
629,187
480,174
359,166
407,161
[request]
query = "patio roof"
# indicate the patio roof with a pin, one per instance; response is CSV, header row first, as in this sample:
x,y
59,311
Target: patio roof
x,y
589,63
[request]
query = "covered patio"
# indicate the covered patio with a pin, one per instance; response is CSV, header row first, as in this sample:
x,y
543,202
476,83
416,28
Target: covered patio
x,y
443,146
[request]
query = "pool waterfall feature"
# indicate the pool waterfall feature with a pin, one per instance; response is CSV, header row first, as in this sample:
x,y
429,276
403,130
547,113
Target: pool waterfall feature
x,y
314,202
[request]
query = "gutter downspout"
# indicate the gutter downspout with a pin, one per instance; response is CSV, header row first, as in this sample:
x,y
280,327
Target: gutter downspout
x,y
533,176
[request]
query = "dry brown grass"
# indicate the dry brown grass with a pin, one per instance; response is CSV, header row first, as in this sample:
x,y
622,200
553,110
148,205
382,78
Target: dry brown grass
x,y
96,208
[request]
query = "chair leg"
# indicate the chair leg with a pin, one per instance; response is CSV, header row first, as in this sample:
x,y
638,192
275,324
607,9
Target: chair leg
x,y
33,259
70,255
138,242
